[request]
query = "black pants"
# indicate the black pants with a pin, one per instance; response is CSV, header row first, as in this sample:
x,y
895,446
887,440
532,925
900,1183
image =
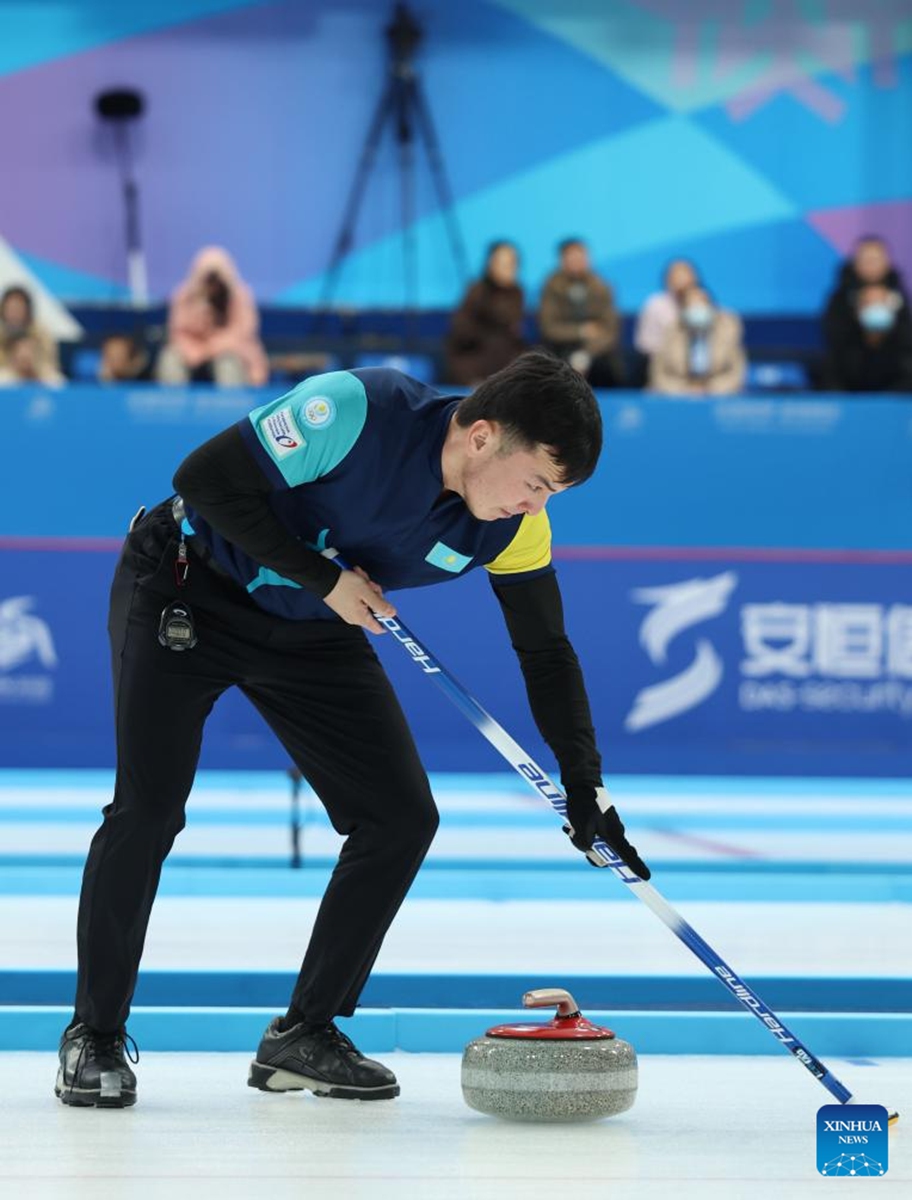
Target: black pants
x,y
321,689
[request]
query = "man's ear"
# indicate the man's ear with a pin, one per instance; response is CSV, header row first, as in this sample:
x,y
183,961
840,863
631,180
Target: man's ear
x,y
480,434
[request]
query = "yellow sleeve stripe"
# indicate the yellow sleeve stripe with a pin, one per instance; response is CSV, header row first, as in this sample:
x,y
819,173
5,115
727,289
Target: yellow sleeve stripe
x,y
529,550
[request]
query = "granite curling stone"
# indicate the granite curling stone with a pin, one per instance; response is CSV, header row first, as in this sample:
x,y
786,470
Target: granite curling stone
x,y
566,1070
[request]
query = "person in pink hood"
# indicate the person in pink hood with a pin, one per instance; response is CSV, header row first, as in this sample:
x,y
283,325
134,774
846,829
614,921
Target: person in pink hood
x,y
213,327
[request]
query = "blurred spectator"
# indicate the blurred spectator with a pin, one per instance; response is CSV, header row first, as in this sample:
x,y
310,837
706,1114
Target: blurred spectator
x,y
658,314
25,362
486,331
17,317
663,309
702,353
213,327
577,318
123,360
870,264
874,351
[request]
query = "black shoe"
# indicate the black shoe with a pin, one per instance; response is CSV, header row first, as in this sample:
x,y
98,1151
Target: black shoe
x,y
93,1070
322,1059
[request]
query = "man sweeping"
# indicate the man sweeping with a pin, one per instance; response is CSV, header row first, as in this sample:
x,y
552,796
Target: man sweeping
x,y
224,585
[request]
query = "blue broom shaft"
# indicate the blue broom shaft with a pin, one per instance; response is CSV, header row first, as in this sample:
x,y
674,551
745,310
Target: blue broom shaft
x,y
545,787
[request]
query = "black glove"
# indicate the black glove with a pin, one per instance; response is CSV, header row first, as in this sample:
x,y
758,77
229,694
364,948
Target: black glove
x,y
591,814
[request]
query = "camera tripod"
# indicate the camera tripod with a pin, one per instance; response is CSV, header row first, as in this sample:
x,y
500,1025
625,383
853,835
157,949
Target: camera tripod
x,y
403,103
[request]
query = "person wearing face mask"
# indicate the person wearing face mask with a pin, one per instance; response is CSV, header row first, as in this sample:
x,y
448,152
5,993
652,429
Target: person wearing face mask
x,y
486,331
875,351
701,354
869,264
658,314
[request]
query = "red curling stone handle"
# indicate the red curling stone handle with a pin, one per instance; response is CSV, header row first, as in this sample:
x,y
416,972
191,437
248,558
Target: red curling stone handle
x,y
546,997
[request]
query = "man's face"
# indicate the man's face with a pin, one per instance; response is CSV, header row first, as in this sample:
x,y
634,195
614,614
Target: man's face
x,y
575,259
500,481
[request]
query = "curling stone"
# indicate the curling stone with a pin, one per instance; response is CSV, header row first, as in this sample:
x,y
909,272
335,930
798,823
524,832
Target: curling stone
x,y
566,1070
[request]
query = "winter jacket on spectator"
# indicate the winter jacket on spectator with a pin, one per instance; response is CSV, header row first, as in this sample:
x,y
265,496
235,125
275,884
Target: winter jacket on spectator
x,y
864,362
671,369
485,333
839,317
568,303
200,335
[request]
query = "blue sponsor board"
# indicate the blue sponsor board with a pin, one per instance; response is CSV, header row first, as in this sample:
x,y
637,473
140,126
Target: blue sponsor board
x,y
785,472
754,666
704,665
730,658
56,705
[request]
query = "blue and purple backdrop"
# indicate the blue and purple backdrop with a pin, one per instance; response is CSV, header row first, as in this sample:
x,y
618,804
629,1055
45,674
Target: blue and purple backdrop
x,y
758,137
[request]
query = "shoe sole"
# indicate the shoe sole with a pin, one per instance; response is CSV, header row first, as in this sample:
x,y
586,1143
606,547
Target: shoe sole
x,y
92,1097
274,1079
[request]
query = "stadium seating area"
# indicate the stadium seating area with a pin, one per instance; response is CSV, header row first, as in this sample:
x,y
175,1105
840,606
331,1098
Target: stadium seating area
x,y
782,349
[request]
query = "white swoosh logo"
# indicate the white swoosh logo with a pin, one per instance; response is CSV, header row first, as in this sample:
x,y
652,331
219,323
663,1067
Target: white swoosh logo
x,y
677,695
678,606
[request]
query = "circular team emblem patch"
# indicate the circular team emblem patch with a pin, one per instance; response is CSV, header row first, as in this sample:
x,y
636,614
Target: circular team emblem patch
x,y
319,412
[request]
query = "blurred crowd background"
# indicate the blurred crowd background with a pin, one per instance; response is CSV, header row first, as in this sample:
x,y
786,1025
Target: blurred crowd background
x,y
683,343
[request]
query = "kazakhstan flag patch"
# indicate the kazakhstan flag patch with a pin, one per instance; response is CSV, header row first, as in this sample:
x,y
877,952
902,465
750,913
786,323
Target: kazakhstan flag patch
x,y
446,559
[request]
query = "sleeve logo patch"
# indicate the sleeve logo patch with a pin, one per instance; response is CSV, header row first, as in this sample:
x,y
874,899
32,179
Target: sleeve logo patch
x,y
319,412
282,433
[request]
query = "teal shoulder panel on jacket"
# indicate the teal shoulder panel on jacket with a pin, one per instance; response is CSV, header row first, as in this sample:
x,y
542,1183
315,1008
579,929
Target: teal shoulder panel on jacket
x,y
308,431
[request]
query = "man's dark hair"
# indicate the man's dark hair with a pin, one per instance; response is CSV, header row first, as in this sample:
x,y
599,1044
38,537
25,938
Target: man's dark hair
x,y
540,400
568,242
